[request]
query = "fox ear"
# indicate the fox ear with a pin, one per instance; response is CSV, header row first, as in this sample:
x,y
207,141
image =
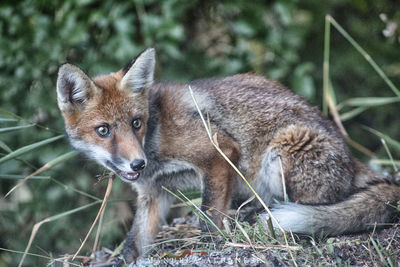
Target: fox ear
x,y
139,73
73,87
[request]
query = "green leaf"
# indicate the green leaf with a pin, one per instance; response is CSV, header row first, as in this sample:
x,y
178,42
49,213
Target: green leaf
x,y
370,101
331,93
15,128
62,158
352,113
5,147
29,148
304,86
367,57
10,115
7,120
16,176
388,139
386,162
241,27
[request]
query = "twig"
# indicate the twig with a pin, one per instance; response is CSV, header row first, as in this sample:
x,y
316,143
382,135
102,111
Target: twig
x,y
96,240
103,205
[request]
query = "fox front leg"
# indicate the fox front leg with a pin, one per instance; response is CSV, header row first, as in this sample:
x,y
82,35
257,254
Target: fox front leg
x,y
152,207
217,187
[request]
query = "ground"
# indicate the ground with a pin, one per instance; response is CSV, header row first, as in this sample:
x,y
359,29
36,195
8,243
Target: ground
x,y
180,244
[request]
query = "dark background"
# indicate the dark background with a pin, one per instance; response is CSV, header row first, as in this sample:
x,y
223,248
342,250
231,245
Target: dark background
x,y
280,39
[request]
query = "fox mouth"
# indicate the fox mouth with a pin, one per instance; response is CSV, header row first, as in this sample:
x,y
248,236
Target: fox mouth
x,y
129,176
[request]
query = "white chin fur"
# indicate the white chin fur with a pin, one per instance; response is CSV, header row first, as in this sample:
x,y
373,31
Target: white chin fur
x,y
100,155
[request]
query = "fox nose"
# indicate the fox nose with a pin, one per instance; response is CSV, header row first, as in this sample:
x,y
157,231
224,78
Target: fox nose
x,y
138,165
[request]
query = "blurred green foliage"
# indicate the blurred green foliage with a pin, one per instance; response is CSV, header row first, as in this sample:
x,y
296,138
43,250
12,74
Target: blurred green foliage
x,y
281,39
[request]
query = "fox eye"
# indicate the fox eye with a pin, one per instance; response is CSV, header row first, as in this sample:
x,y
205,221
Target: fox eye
x,y
137,123
103,131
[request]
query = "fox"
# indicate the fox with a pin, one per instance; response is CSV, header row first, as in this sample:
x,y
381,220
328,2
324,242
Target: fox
x,y
150,134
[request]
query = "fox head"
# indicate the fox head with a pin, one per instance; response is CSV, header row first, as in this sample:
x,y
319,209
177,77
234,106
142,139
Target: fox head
x,y
105,117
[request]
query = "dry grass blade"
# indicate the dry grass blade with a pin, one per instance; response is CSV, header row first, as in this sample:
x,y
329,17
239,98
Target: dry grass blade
x,y
329,97
96,240
33,234
196,201
389,154
243,245
70,188
103,205
196,209
285,197
327,42
61,259
210,136
49,219
335,114
21,182
250,199
337,119
244,233
45,167
391,240
227,226
19,177
359,147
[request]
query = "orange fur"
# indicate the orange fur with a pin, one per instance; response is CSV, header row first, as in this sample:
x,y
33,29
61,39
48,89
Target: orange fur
x,y
261,126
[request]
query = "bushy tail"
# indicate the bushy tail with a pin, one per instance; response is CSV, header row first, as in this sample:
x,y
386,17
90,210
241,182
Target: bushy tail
x,y
360,212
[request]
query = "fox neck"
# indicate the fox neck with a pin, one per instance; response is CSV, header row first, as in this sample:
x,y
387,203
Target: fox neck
x,y
153,131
